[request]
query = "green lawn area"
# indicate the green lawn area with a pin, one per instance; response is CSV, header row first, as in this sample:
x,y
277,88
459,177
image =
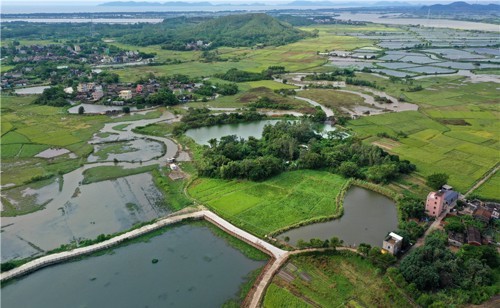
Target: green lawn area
x,y
490,190
265,207
333,280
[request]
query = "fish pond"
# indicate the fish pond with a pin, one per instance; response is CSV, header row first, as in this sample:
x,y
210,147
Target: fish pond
x,y
186,266
368,218
243,130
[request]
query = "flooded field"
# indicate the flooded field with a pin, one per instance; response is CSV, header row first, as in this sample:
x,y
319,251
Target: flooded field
x,y
195,268
79,212
368,218
130,151
91,108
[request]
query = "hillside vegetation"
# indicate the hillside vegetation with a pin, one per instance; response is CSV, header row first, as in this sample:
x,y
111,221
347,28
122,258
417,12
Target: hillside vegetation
x,y
232,31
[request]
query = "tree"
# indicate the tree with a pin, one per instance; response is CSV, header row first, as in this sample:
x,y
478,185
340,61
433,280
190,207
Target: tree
x,y
81,110
349,169
126,109
364,249
335,242
437,180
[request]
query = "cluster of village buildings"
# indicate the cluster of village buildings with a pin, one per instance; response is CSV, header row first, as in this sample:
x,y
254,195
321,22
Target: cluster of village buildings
x,y
58,52
443,202
119,93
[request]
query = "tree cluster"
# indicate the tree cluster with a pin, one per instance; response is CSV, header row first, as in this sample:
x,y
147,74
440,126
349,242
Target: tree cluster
x,y
53,96
236,75
201,117
297,145
433,267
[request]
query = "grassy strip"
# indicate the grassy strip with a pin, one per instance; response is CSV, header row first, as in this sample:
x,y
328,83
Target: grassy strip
x,y
105,173
173,190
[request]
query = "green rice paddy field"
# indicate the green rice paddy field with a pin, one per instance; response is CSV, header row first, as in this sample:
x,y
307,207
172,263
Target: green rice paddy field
x,y
28,129
455,130
265,207
332,281
295,57
490,190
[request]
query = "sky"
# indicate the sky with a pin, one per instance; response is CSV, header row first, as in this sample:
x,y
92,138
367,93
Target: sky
x,y
95,2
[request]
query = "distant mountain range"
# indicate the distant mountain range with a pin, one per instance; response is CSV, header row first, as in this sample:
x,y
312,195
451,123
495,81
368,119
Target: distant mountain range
x,y
173,4
297,3
460,8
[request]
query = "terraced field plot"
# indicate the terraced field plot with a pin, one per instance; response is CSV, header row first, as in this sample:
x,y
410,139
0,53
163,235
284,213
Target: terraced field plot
x,y
490,190
265,207
332,281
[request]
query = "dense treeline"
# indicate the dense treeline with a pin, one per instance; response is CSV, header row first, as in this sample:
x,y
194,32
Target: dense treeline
x,y
333,76
201,117
296,145
53,96
266,102
236,75
463,277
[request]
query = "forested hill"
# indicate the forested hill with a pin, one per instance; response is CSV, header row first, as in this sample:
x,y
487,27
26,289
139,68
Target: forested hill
x,y
247,30
240,30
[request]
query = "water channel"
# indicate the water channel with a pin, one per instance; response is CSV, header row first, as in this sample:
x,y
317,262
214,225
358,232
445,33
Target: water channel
x,y
195,269
368,217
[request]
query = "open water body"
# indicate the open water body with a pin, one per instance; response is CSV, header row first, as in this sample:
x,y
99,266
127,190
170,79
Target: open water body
x,y
243,130
368,218
195,269
80,212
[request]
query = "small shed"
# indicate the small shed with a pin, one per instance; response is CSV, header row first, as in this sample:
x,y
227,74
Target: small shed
x,y
393,243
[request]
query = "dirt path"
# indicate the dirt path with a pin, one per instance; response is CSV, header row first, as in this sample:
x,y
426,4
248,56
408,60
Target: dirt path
x,y
484,179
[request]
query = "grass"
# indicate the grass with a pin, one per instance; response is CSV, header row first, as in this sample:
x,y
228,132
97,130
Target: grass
x,y
156,129
277,296
28,129
104,173
28,204
242,99
297,56
120,127
106,149
334,280
490,190
172,190
454,131
333,99
266,207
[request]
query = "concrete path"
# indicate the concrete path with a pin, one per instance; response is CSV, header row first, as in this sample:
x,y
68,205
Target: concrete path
x,y
36,264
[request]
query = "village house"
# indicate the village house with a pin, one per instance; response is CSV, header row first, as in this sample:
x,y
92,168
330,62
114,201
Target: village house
x,y
393,243
98,93
439,201
456,239
125,94
473,236
482,214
